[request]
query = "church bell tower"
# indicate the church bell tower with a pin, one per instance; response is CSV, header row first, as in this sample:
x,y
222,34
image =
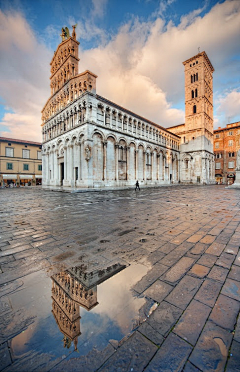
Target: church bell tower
x,y
197,157
199,102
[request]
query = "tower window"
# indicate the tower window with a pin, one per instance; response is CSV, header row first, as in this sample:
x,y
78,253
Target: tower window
x,y
194,109
192,93
195,92
192,79
197,76
196,62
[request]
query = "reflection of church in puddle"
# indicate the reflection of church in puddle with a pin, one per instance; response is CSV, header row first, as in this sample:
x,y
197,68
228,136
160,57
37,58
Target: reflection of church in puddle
x,y
71,289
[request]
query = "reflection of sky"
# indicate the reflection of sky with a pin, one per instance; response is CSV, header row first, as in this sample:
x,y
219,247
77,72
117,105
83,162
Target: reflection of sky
x,y
111,319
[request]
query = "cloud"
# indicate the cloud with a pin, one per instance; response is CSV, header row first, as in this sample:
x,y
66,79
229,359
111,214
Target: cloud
x,y
140,67
229,107
99,8
24,75
21,126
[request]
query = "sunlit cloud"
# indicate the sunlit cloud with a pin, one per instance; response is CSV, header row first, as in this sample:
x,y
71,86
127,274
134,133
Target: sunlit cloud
x,y
139,68
229,107
24,75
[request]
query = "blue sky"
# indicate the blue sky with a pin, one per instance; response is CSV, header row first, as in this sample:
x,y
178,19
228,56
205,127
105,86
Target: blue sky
x,y
136,48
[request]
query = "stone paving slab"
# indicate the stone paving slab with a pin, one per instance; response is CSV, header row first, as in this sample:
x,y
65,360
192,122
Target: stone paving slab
x,y
184,292
231,289
225,312
178,270
164,317
185,237
171,356
211,351
233,364
133,355
209,292
192,322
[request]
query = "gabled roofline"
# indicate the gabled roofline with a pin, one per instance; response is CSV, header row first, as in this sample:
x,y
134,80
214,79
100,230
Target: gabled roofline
x,y
72,78
107,101
175,126
5,139
61,44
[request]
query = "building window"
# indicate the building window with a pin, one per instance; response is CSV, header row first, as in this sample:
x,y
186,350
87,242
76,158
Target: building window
x,y
25,167
9,166
231,164
39,155
230,133
194,109
195,92
9,152
217,136
217,165
39,167
231,154
219,155
192,93
25,154
216,145
230,143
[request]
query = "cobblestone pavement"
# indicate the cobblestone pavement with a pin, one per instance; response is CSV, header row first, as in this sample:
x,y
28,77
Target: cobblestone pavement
x,y
183,243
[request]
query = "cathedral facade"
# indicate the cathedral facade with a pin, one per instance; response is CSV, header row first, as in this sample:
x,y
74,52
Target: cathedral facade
x,y
89,141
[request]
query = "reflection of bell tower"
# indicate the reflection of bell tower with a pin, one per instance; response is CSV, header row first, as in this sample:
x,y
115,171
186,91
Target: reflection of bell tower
x,y
71,289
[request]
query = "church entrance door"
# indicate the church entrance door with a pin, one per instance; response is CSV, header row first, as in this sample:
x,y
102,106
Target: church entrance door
x,y
61,173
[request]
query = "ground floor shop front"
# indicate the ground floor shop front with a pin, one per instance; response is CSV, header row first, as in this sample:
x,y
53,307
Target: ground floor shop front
x,y
16,180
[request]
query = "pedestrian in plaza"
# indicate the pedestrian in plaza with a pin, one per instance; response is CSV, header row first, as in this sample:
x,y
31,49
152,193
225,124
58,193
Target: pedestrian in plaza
x,y
137,186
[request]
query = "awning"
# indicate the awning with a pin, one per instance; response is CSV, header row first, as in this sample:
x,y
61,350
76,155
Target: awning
x,y
26,176
9,176
218,175
231,175
38,176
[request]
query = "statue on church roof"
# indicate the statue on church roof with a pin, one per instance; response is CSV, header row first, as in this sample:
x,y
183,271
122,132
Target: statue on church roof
x,y
74,32
65,33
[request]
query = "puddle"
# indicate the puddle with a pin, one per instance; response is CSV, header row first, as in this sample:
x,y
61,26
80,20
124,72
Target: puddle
x,y
76,312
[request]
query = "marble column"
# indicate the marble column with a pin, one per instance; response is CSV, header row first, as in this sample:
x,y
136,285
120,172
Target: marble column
x,y
116,162
104,161
136,164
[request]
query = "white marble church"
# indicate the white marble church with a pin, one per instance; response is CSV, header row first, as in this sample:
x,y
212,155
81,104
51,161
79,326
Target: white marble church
x,y
90,142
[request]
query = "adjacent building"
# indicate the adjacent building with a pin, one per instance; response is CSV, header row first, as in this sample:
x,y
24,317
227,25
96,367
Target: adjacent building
x,y
90,141
226,146
20,162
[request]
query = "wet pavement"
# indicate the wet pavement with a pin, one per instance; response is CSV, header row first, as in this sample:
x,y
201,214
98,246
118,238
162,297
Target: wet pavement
x,y
120,280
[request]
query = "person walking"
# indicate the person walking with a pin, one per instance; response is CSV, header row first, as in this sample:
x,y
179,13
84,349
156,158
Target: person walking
x,y
137,186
